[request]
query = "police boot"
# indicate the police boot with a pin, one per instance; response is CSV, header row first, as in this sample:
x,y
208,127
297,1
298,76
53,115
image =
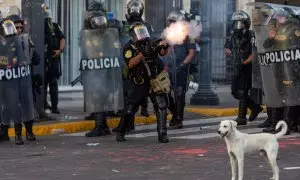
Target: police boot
x,y
179,114
267,123
4,133
241,119
255,110
99,124
276,115
162,126
124,123
161,116
29,134
18,134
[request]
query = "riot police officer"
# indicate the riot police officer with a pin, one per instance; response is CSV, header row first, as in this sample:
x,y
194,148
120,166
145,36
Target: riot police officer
x,y
135,10
239,47
102,86
16,91
282,35
146,71
54,47
35,78
178,67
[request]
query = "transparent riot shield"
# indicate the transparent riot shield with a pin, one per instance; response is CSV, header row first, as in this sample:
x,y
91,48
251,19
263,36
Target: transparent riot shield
x,y
278,44
16,98
101,70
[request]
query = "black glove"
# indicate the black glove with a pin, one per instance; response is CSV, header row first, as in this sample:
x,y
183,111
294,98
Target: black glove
x,y
37,82
180,67
36,58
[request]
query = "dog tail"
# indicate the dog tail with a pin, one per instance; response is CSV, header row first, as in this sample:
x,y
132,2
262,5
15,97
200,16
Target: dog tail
x,y
284,128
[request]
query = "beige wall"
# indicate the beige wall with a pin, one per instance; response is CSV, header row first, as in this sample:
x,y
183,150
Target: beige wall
x,y
5,4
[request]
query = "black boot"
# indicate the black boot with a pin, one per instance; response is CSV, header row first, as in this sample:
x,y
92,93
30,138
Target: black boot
x,y
254,112
162,127
267,123
101,128
144,107
276,115
4,133
161,116
241,119
177,123
29,134
18,134
128,115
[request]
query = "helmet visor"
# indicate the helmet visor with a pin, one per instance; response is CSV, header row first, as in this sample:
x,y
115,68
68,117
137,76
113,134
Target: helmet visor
x,y
98,22
141,32
9,28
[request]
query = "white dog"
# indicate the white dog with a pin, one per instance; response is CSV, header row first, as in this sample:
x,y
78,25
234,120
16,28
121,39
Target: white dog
x,y
239,143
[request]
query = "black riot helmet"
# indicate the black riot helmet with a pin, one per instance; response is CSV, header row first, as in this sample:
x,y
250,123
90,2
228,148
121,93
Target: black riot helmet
x,y
7,28
95,20
138,31
135,10
241,18
175,16
97,6
16,18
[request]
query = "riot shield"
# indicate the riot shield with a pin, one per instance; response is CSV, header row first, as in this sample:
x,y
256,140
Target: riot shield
x,y
278,40
101,70
16,98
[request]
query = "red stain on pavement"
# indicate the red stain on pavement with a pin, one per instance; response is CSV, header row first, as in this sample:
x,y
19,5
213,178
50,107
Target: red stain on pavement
x,y
190,151
285,144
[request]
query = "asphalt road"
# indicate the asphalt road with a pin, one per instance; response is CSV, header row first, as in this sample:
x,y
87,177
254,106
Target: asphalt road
x,y
193,153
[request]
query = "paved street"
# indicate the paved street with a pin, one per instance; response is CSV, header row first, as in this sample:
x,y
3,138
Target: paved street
x,y
194,153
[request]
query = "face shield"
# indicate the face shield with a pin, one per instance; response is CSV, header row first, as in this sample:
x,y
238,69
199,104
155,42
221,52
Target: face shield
x,y
98,22
239,25
8,28
141,32
239,18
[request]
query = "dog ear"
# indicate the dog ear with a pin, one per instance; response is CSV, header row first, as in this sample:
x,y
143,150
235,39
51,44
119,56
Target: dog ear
x,y
233,123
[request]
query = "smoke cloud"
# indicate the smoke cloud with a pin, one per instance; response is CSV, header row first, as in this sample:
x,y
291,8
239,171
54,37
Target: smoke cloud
x,y
177,32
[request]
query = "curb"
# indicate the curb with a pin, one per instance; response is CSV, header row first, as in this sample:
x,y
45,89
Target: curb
x,y
81,126
217,112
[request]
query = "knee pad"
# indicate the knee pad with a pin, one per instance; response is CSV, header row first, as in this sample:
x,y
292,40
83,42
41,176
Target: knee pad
x,y
161,102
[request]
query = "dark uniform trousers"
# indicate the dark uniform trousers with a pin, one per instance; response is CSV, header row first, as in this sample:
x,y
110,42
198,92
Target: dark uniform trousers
x,y
135,97
177,101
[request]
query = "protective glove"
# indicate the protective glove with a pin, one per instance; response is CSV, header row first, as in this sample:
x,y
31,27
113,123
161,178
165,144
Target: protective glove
x,y
180,67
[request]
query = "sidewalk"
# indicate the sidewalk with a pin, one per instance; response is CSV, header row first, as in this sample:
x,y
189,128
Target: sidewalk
x,y
71,119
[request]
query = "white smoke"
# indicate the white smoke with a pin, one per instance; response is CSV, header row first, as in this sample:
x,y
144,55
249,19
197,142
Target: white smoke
x,y
177,32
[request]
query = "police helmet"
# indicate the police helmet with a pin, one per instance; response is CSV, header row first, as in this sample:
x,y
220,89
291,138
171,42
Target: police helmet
x,y
139,31
97,6
95,20
175,16
47,11
239,18
7,28
135,9
16,18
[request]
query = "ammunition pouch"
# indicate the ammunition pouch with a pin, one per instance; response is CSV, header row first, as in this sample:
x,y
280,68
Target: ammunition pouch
x,y
161,84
